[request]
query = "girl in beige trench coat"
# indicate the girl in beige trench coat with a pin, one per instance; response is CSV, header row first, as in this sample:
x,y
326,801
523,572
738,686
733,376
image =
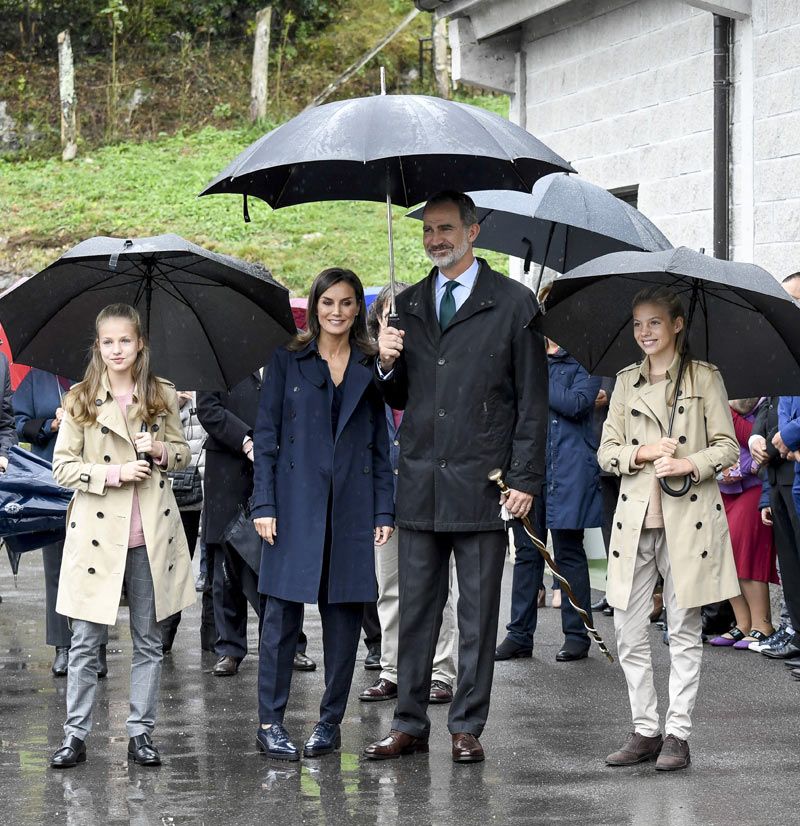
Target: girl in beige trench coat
x,y
120,434
683,538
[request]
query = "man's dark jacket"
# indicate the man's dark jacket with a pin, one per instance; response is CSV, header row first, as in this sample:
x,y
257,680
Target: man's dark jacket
x,y
475,398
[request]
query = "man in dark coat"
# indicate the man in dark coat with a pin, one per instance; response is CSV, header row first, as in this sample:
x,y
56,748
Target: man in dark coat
x,y
228,418
471,375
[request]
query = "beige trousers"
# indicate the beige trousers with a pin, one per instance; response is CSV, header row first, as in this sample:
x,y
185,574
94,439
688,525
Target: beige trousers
x,y
444,667
632,628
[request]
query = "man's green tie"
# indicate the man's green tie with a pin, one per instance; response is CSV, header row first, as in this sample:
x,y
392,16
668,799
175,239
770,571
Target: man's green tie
x,y
447,309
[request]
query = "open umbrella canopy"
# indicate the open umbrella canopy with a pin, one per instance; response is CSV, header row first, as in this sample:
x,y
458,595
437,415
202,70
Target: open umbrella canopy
x,y
561,223
211,319
405,146
740,318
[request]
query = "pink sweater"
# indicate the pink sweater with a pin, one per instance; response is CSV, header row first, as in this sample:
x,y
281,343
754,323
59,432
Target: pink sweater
x,y
136,534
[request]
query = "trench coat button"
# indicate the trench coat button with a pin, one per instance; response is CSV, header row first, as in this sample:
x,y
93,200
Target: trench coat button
x,y
296,389
161,483
169,541
704,554
619,524
634,412
72,524
154,428
680,393
680,409
106,458
699,525
515,463
396,443
166,512
170,567
291,465
615,463
442,462
682,439
693,497
624,497
718,468
95,543
98,402
366,470
614,553
634,441
441,362
104,429
441,411
396,472
100,514
719,507
90,570
178,459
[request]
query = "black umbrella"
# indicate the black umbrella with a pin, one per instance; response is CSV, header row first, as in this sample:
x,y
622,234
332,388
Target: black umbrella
x,y
211,319
561,223
739,317
399,149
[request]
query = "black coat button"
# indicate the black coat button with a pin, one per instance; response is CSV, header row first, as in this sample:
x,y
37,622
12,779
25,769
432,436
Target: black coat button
x,y
178,459
155,428
166,512
106,458
699,525
95,543
634,441
680,409
366,470
72,524
104,429
169,541
619,524
442,462
161,483
100,514
682,439
99,402
719,507
704,554
441,362
634,412
370,446
614,553
291,439
170,567
440,412
91,570
291,465
624,497
693,497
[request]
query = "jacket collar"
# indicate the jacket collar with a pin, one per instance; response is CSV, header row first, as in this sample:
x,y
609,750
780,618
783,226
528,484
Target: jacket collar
x,y
109,414
653,397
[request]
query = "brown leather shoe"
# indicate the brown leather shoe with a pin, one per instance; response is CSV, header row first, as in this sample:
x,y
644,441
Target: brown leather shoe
x,y
397,743
674,754
226,667
466,748
440,692
380,690
636,749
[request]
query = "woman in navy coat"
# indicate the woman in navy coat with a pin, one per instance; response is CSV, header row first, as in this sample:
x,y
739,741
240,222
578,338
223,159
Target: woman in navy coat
x,y
570,503
323,497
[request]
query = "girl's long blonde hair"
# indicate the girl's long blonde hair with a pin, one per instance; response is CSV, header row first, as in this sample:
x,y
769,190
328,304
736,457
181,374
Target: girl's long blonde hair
x,y
150,397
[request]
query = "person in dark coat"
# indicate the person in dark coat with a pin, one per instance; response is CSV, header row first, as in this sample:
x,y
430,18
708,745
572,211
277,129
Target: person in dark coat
x,y
322,499
38,412
8,433
471,374
572,503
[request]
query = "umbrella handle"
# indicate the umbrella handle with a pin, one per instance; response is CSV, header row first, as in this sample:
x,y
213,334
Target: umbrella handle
x,y
681,491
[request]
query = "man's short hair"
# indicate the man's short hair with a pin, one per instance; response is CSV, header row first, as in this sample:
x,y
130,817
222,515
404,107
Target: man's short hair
x,y
465,204
790,277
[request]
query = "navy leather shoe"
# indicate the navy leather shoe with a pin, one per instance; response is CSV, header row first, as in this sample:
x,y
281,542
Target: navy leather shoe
x,y
325,738
274,742
71,752
142,751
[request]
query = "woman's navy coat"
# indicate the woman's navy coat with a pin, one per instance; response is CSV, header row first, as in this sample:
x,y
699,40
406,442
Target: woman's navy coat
x,y
573,475
298,463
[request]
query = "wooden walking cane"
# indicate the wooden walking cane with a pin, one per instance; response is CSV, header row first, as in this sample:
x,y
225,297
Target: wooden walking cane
x,y
497,476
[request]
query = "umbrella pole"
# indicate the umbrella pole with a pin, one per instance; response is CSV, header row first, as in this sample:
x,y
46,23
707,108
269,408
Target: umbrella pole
x,y
544,259
392,308
687,480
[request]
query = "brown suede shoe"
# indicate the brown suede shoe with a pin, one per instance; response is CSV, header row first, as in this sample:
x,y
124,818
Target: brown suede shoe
x,y
440,692
380,690
674,754
467,748
395,744
636,749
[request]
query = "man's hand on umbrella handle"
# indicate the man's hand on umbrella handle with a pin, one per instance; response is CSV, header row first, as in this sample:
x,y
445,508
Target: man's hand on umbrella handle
x,y
267,528
390,346
766,516
517,503
758,449
780,445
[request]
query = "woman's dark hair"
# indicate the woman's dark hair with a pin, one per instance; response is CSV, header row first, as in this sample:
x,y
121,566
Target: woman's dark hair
x,y
379,305
358,332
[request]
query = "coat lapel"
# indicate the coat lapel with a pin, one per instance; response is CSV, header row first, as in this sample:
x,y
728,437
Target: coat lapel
x,y
356,380
109,414
422,305
309,364
481,298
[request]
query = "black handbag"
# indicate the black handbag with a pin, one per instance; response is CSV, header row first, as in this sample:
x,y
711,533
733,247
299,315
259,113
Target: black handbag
x,y
187,486
240,536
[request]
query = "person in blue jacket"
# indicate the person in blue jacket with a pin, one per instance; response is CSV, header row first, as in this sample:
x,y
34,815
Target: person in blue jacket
x,y
570,502
37,414
322,499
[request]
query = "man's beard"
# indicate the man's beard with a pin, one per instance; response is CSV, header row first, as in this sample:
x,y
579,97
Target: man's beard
x,y
456,254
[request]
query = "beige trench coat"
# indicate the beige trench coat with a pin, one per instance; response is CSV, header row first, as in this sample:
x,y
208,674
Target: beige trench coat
x,y
698,541
98,518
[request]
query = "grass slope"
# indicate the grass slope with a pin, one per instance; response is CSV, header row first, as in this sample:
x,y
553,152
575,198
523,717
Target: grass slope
x,y
139,189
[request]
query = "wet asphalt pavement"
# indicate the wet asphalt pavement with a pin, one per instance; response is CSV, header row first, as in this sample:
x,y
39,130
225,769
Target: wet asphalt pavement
x,y
550,726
